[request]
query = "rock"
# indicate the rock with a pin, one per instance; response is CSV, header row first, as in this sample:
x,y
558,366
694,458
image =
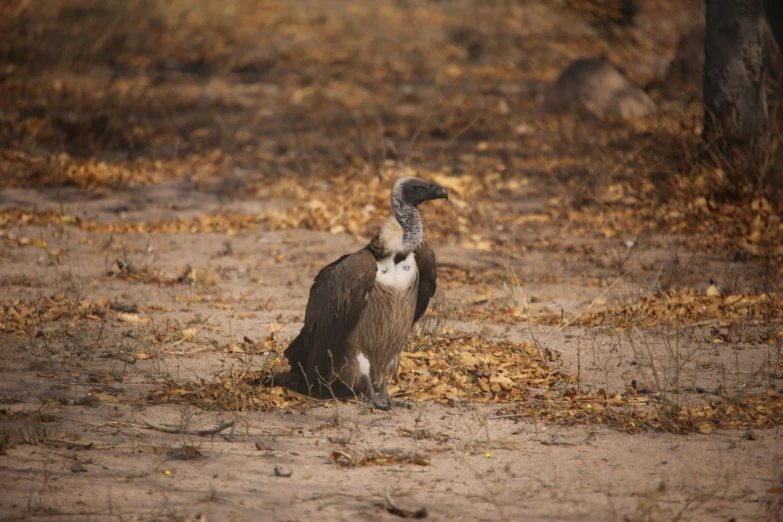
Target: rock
x,y
685,74
646,388
599,87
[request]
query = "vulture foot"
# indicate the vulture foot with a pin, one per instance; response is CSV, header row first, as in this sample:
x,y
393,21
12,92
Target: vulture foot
x,y
381,403
386,403
384,396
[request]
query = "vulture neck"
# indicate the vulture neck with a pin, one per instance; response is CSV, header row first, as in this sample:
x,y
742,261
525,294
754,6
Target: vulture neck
x,y
408,217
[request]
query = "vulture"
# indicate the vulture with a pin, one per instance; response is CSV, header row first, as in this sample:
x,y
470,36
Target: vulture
x,y
362,306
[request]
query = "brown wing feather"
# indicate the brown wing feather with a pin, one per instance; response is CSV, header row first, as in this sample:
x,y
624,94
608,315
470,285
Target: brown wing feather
x,y
337,298
425,260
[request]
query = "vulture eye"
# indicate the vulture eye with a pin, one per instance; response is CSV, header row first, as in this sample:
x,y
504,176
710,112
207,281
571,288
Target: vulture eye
x,y
416,187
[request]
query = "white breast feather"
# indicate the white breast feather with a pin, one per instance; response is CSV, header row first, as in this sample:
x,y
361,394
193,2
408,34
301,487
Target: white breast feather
x,y
399,276
364,364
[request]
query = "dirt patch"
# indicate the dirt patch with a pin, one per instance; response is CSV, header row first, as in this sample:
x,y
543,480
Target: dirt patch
x,y
605,343
92,349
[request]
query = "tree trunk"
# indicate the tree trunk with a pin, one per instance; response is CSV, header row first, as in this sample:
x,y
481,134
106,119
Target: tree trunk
x,y
774,9
735,105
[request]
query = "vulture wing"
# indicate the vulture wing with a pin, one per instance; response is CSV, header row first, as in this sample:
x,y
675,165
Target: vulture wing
x,y
425,260
337,298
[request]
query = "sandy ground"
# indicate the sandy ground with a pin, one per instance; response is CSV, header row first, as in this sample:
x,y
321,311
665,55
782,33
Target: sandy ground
x,y
481,467
182,109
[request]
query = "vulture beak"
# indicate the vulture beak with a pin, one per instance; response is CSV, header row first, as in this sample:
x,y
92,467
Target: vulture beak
x,y
438,192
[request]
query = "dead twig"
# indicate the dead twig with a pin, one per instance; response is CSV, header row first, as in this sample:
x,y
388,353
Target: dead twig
x,y
201,327
557,443
230,435
457,337
73,444
197,350
200,433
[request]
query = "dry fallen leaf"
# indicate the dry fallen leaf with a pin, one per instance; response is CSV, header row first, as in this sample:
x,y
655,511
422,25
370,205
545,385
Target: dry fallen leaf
x,y
185,453
131,318
341,458
188,334
105,397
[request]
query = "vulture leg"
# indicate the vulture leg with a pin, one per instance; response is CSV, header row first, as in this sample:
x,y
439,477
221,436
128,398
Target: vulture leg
x,y
381,402
375,400
383,395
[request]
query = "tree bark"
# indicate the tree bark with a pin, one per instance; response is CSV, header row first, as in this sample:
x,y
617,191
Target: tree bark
x,y
735,104
774,9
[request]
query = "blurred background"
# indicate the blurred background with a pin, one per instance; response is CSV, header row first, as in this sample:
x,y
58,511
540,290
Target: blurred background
x,y
173,174
596,103
316,87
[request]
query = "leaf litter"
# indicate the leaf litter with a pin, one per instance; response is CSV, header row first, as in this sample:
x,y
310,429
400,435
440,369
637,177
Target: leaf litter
x,y
459,368
477,370
124,112
482,176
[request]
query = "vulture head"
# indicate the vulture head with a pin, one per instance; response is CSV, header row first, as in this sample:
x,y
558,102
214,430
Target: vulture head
x,y
406,195
412,191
